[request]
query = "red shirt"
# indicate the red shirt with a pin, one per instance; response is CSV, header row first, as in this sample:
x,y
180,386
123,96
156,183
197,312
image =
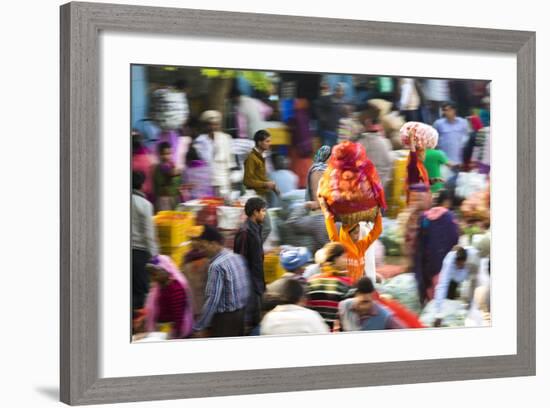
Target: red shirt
x,y
171,305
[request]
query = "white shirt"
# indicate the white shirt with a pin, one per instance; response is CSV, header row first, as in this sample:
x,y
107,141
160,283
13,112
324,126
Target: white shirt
x,y
218,154
143,228
450,272
292,319
311,270
409,96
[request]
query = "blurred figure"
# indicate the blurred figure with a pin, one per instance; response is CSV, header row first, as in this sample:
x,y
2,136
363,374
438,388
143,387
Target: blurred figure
x,y
249,243
409,101
197,176
255,173
169,300
363,312
293,259
329,112
316,172
195,268
144,240
481,155
285,179
308,220
433,161
349,238
453,132
164,179
251,113
474,126
315,268
326,289
348,127
227,289
437,235
215,148
485,111
459,266
291,317
416,171
419,201
436,92
377,146
143,162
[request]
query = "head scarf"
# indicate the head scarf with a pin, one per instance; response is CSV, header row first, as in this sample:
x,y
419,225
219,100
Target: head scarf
x,y
293,258
319,164
186,324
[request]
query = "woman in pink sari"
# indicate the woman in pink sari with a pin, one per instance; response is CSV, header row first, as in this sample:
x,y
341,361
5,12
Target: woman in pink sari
x,y
169,300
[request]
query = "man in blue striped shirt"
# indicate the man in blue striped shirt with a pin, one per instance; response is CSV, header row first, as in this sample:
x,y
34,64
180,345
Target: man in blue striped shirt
x,y
227,289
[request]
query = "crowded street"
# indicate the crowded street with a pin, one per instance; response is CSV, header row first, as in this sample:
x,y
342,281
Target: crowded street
x,y
274,203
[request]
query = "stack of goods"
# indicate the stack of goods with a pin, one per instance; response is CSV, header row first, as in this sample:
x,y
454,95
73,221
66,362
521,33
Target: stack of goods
x,y
350,186
454,313
208,214
213,211
173,228
169,108
273,269
229,219
426,136
403,289
398,199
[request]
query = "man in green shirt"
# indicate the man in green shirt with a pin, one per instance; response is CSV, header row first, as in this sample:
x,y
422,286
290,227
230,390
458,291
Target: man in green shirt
x,y
433,162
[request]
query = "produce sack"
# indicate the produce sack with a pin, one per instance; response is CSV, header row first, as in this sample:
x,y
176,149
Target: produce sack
x,y
350,186
426,135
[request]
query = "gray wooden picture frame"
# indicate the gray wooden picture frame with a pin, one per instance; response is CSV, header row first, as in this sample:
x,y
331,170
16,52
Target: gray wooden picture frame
x,y
80,237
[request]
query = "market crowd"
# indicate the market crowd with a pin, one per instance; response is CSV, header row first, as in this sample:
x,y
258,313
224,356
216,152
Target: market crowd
x,y
233,233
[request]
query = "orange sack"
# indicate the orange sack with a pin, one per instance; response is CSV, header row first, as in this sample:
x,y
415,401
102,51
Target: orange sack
x,y
350,186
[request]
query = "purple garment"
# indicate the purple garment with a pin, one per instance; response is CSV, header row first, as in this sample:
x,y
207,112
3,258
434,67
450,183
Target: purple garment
x,y
301,135
197,175
437,235
172,137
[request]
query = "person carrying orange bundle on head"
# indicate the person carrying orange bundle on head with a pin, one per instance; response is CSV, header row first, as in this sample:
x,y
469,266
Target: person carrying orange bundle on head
x,y
350,191
356,248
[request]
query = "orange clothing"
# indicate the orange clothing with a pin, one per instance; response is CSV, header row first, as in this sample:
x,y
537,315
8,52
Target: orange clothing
x,y
355,251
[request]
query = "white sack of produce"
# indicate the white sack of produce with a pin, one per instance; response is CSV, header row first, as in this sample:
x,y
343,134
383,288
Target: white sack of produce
x,y
469,183
403,289
426,135
169,108
230,218
454,313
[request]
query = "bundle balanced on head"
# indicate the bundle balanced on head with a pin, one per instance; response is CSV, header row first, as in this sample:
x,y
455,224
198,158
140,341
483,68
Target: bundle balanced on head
x,y
350,191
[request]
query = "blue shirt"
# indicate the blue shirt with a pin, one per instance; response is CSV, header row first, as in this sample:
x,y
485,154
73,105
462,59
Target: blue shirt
x,y
227,287
452,136
285,180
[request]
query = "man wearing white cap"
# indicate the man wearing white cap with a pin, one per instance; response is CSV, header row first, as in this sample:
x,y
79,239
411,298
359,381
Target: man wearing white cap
x,y
214,147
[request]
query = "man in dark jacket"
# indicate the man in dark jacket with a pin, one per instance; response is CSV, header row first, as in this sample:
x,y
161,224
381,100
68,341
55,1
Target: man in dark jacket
x,y
249,243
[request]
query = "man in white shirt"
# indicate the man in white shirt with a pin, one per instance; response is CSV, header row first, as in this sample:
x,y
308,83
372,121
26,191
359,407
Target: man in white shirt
x,y
214,147
459,266
291,316
144,240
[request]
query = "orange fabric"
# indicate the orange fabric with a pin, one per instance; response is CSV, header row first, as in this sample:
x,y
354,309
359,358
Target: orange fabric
x,y
409,318
424,178
355,251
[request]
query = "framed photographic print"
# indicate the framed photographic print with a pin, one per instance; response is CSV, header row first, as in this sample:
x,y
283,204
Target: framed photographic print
x,y
221,171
